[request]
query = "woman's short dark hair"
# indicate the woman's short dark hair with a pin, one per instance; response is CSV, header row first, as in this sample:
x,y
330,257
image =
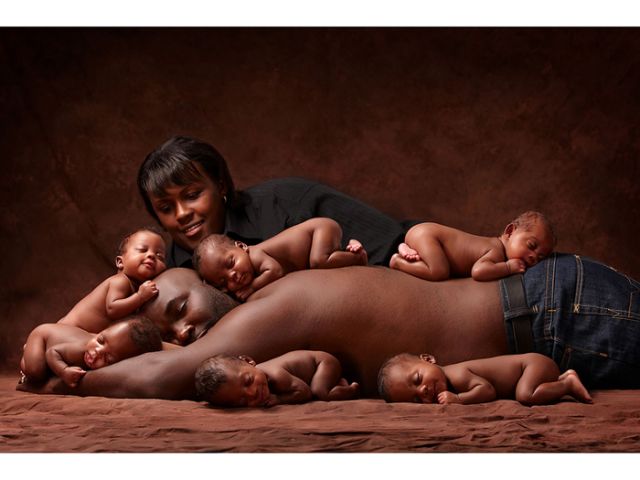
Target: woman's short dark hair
x,y
175,162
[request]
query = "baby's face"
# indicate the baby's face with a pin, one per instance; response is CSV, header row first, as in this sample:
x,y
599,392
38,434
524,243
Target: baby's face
x,y
228,270
246,386
144,257
109,346
532,245
415,380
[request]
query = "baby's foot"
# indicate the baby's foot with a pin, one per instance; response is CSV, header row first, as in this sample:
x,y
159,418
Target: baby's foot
x,y
395,261
408,253
355,247
342,392
576,388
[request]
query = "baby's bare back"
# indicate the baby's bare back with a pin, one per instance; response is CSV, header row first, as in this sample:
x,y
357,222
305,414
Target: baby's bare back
x,y
299,363
504,372
90,313
463,249
291,247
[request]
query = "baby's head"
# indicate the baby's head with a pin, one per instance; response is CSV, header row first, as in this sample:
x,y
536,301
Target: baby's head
x,y
529,237
134,336
232,381
141,254
223,263
411,378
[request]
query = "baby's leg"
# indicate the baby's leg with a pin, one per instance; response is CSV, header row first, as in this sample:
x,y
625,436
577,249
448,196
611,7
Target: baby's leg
x,y
433,263
34,362
325,247
326,383
540,384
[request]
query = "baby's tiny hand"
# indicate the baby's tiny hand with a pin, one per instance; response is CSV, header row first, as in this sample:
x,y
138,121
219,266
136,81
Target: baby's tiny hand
x,y
71,375
148,290
447,397
243,293
516,265
272,401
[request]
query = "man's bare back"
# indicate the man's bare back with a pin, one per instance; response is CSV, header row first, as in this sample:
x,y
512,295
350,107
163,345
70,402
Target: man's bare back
x,y
362,315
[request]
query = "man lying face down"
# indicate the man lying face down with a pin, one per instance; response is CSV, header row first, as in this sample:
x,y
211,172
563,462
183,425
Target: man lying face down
x,y
364,315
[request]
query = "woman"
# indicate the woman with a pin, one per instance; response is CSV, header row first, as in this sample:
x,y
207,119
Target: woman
x,y
187,188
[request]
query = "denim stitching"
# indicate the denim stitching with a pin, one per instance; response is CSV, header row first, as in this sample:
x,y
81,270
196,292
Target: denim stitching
x,y
548,302
579,282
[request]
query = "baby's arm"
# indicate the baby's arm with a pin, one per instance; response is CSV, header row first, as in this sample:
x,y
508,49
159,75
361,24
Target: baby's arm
x,y
268,268
57,359
288,388
473,388
492,266
121,301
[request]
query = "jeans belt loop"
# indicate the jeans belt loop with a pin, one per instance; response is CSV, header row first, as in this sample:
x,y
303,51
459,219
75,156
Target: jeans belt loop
x,y
520,325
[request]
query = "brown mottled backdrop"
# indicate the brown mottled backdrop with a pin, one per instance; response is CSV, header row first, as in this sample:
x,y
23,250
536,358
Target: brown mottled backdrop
x,y
462,126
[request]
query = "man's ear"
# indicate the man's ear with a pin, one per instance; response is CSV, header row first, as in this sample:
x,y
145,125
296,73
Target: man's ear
x,y
509,229
427,357
248,359
119,263
242,245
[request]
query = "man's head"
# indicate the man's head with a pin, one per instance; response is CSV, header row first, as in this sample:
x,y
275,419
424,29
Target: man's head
x,y
224,263
127,338
529,237
141,254
232,381
185,307
411,378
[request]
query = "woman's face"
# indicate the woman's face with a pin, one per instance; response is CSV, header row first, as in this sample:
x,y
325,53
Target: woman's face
x,y
191,212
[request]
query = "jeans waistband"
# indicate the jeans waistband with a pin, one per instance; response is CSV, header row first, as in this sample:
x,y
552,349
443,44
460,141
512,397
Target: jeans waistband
x,y
517,314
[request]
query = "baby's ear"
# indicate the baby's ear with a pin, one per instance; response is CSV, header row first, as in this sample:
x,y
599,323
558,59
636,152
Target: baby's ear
x,y
242,245
248,359
119,263
427,357
509,229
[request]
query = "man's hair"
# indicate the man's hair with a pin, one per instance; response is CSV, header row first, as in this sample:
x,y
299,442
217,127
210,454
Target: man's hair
x,y
122,246
527,219
144,334
384,372
215,241
211,375
174,162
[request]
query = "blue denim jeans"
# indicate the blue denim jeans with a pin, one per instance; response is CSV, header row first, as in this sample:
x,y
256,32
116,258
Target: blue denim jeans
x,y
585,316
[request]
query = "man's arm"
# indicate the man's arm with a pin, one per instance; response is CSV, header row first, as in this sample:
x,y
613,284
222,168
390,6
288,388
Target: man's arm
x,y
254,328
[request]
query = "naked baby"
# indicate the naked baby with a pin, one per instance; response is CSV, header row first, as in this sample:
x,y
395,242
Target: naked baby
x,y
530,378
436,252
241,270
295,377
69,351
141,257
